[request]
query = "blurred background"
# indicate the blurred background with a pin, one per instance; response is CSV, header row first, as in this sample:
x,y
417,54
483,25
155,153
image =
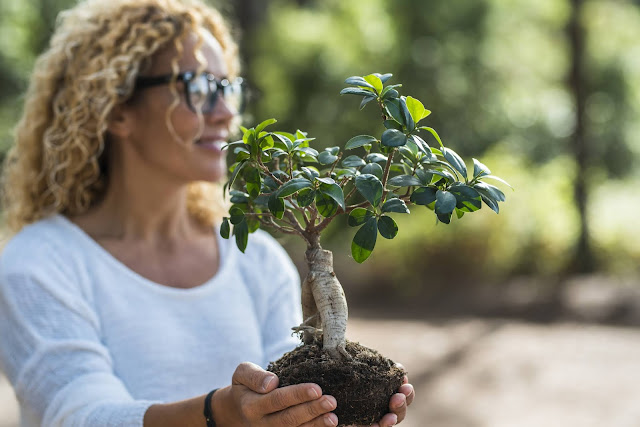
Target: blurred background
x,y
518,319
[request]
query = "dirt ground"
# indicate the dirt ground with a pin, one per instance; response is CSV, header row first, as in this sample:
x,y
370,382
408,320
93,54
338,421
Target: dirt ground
x,y
494,373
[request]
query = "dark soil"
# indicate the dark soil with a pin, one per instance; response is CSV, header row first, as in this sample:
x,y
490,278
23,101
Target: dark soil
x,y
362,387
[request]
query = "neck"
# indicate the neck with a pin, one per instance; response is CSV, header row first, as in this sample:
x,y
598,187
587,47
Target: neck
x,y
141,203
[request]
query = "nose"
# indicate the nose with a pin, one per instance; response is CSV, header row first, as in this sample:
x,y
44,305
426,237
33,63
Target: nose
x,y
223,111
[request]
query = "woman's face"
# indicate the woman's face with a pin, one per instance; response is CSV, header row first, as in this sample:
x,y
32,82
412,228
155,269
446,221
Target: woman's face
x,y
198,155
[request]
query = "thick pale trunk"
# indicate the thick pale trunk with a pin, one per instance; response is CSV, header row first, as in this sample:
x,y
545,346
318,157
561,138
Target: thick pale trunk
x,y
324,305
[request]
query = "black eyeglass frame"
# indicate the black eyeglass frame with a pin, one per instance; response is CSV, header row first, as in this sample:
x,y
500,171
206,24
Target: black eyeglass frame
x,y
221,87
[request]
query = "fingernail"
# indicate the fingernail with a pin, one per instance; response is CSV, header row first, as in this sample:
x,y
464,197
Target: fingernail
x,y
328,421
267,381
313,393
329,403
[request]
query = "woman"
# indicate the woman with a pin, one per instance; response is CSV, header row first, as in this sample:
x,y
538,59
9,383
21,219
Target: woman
x,y
118,303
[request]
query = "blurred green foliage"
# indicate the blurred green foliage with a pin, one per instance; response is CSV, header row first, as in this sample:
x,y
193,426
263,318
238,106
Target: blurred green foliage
x,y
493,72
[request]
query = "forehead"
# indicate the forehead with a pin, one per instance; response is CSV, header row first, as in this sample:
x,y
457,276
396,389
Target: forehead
x,y
210,54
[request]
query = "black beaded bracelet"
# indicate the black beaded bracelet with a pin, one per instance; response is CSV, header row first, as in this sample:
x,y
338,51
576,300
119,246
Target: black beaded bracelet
x,y
208,415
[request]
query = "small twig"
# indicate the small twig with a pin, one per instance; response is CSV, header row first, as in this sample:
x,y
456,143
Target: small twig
x,y
333,166
385,175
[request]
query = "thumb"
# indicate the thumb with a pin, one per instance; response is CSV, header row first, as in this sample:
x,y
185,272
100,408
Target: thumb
x,y
254,378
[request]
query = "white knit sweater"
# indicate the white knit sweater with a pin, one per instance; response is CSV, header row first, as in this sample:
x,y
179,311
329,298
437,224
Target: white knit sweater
x,y
86,341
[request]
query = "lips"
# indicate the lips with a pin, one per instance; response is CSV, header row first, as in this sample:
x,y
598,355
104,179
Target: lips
x,y
214,143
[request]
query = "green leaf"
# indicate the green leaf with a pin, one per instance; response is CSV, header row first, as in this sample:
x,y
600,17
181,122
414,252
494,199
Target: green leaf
x,y
241,231
225,228
479,169
376,157
238,197
358,81
387,227
326,158
404,181
416,108
495,192
356,91
325,180
359,141
286,140
497,179
393,138
370,187
264,124
353,162
422,145
395,205
434,133
236,170
448,176
237,215
253,181
290,187
392,124
391,94
459,213
344,172
424,196
373,169
311,174
394,110
359,216
305,197
445,202
325,204
445,218
424,176
375,81
467,199
383,77
455,160
408,120
365,240
335,192
366,100
276,206
308,151
253,224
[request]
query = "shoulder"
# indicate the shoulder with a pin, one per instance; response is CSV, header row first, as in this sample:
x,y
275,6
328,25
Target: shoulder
x,y
44,243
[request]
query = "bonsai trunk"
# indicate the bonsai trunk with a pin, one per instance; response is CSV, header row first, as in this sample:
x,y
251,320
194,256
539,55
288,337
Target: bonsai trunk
x,y
324,306
361,379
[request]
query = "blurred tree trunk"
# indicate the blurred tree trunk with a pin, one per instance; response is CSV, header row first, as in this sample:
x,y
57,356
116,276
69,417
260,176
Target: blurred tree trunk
x,y
583,259
248,15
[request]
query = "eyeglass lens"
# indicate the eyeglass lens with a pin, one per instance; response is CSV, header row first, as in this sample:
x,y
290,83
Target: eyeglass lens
x,y
203,93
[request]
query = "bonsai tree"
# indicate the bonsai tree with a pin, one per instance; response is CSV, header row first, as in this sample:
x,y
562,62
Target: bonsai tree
x,y
279,181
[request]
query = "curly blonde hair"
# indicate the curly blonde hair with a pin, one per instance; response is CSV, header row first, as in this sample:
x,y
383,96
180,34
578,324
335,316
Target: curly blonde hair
x,y
57,164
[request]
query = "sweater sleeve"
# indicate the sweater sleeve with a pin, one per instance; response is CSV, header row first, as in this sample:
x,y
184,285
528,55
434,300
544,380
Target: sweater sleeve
x,y
52,353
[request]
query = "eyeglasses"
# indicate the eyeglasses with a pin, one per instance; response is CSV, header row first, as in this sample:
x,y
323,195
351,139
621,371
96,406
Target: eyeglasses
x,y
202,90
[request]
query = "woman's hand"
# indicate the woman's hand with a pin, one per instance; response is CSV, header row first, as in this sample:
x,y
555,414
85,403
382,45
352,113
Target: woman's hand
x,y
253,399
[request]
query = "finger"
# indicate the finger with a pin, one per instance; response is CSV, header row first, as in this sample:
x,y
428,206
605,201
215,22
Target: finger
x,y
408,391
254,377
389,420
398,405
304,413
327,420
286,397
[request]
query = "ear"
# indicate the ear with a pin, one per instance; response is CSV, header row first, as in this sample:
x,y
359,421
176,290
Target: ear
x,y
120,121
